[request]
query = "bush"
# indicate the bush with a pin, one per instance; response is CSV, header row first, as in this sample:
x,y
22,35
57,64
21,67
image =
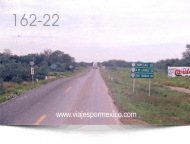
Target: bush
x,y
164,95
186,86
41,72
185,106
177,104
40,77
17,80
3,99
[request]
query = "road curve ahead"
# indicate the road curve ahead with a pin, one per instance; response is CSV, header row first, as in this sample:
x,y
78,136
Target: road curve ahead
x,y
84,93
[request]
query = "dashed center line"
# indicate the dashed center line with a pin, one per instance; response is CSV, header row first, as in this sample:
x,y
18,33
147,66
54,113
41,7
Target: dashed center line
x,y
67,89
40,120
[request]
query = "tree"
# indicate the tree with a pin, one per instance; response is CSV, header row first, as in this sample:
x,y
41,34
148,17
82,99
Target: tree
x,y
7,52
72,59
188,46
41,72
56,56
182,62
163,64
17,68
67,58
186,54
58,53
47,52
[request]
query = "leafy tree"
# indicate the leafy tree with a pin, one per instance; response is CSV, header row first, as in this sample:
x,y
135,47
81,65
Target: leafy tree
x,y
186,54
47,52
188,46
41,72
17,68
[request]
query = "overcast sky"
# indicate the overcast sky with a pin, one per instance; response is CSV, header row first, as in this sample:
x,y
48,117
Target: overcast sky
x,y
98,30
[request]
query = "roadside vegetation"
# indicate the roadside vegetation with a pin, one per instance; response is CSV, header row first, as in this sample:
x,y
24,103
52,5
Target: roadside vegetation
x,y
162,78
11,89
14,68
161,67
164,106
15,71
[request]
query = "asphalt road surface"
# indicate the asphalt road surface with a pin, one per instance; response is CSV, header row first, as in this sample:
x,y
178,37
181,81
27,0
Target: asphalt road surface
x,y
83,93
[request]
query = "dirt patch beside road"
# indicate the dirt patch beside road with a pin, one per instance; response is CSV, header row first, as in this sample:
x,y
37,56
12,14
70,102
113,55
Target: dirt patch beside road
x,y
180,89
51,77
175,88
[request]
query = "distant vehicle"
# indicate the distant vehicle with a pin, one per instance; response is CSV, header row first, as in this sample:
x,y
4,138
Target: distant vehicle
x,y
95,66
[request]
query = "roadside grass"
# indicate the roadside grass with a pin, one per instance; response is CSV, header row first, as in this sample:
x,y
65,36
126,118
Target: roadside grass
x,y
162,78
11,90
164,106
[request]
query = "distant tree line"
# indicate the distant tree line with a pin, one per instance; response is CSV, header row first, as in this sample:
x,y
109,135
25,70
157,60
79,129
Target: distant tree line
x,y
115,63
161,64
16,68
84,64
185,61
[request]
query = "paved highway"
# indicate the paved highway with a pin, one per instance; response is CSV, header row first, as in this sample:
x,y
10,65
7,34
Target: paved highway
x,y
85,92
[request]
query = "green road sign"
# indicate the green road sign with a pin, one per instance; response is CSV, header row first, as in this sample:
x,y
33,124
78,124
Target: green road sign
x,y
142,70
141,75
142,65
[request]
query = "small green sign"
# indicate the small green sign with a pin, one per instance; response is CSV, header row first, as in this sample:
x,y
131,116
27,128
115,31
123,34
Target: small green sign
x,y
142,65
140,75
142,70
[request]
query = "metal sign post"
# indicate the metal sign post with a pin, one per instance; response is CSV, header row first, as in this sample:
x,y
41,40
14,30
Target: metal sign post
x,y
32,79
71,68
32,73
32,70
149,87
134,85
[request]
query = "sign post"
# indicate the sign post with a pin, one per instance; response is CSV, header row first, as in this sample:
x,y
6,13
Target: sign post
x,y
142,70
149,87
32,73
133,84
71,68
32,70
